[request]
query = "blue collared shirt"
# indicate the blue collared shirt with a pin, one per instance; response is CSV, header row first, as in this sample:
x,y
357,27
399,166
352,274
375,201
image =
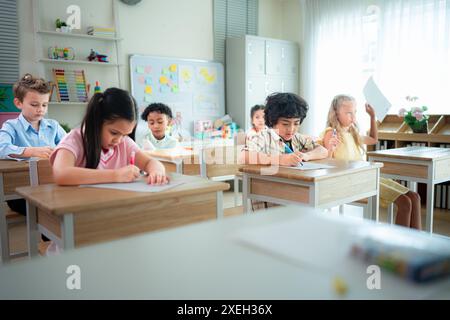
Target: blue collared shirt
x,y
18,134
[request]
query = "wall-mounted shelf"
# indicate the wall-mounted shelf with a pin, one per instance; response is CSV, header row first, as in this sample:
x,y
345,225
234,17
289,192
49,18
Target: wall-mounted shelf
x,y
103,64
78,35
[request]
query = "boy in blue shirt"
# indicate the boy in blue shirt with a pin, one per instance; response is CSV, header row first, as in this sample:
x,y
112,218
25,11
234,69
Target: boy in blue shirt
x,y
29,135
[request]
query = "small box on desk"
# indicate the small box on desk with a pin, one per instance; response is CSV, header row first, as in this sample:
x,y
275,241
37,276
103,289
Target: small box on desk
x,y
411,255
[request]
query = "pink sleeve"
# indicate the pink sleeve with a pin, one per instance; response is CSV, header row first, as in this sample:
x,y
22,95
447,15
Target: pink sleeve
x,y
74,144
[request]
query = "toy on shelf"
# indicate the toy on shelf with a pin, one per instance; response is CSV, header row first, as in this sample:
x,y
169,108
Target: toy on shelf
x,y
57,53
97,88
70,85
95,56
61,26
203,129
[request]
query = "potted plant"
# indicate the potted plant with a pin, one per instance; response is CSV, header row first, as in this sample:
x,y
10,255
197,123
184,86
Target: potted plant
x,y
415,117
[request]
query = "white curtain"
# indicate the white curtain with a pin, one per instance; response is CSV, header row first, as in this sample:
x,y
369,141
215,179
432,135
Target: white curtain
x,y
404,44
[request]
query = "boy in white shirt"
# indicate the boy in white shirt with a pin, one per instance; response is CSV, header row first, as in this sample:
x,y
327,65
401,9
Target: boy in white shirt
x,y
158,117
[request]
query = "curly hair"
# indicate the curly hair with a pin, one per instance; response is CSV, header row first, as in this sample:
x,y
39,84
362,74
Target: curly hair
x,y
284,105
30,83
156,107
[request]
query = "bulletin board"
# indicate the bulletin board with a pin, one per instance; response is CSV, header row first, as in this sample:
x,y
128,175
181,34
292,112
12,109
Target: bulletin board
x,y
194,89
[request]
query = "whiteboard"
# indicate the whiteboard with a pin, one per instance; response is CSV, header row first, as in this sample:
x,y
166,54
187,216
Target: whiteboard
x,y
193,89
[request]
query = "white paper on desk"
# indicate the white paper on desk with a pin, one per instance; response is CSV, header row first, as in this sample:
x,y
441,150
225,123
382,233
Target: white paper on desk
x,y
311,166
139,186
376,99
309,240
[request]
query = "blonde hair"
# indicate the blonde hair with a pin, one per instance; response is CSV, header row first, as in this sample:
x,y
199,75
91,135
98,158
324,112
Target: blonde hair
x,y
30,83
333,121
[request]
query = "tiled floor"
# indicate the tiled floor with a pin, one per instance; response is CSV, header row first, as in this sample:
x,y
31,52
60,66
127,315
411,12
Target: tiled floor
x,y
441,222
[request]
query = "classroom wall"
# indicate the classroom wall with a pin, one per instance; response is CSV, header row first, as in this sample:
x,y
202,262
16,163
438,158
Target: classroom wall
x,y
158,27
154,27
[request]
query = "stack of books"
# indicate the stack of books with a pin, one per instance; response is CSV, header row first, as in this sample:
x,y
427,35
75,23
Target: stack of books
x,y
101,32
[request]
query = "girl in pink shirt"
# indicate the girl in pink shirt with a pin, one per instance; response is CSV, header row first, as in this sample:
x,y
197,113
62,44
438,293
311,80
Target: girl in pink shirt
x,y
103,142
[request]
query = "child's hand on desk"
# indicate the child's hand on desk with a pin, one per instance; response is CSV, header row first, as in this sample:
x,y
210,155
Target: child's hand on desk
x,y
127,174
157,178
304,156
38,152
291,159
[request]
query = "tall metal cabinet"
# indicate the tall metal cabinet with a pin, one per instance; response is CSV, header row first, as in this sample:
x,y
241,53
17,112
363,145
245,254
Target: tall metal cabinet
x,y
255,68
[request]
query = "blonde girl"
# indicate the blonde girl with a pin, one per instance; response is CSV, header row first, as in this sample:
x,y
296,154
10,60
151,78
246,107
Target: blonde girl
x,y
344,142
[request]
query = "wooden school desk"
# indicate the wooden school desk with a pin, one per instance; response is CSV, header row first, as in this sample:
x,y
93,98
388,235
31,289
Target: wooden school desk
x,y
416,164
218,163
347,182
74,216
209,260
12,174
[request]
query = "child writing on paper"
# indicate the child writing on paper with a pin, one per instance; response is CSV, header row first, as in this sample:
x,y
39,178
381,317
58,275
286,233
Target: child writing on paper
x,y
30,134
158,117
343,141
102,150
282,143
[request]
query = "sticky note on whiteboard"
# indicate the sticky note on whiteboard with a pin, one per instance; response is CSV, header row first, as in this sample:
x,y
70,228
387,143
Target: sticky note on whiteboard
x,y
376,99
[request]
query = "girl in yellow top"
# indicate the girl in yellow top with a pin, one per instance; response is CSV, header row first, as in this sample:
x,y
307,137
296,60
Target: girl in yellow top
x,y
344,142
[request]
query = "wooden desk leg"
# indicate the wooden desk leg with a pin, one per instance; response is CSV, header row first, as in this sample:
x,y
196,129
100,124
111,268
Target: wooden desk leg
x,y
67,235
32,230
4,245
219,204
179,167
430,199
412,185
374,202
236,190
245,192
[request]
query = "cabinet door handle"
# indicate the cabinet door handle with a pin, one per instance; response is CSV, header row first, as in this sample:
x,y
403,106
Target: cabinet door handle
x,y
250,86
250,48
282,53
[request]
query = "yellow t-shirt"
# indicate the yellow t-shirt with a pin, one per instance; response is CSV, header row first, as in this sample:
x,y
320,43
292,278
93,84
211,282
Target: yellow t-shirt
x,y
347,149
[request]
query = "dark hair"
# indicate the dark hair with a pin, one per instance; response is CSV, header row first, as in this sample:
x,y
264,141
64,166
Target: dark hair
x,y
30,83
113,104
284,105
156,107
255,108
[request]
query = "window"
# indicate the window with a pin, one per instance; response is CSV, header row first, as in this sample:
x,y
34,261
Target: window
x,y
9,42
405,45
233,18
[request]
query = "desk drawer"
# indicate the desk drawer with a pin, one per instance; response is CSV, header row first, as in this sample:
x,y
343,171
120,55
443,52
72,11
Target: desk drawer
x,y
346,186
279,190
